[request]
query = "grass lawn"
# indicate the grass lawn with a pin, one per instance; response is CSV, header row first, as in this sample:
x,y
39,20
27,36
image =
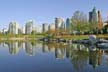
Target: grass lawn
x,y
81,36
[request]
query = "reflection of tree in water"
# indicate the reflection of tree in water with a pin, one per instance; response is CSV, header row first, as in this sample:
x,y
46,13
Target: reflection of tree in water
x,y
106,53
77,56
95,58
33,43
79,60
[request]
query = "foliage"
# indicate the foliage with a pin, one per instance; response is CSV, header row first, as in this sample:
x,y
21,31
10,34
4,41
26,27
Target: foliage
x,y
79,21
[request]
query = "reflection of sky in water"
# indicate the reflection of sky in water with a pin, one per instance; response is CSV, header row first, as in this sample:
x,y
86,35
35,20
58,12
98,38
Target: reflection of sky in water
x,y
51,57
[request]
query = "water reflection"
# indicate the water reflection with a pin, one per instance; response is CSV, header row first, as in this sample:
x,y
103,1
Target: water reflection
x,y
14,47
80,56
29,48
95,58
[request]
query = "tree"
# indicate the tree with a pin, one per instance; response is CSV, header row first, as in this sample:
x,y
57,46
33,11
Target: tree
x,y
79,21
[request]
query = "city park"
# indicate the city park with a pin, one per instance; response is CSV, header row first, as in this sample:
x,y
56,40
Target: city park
x,y
80,28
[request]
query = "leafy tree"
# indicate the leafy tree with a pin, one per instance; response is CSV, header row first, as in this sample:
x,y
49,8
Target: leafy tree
x,y
79,21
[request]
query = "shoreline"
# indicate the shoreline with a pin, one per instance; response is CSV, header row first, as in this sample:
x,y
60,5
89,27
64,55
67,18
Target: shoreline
x,y
76,37
15,38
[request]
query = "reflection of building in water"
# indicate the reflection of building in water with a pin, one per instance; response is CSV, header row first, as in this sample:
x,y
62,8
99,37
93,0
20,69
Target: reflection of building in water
x,y
69,51
4,44
59,53
23,45
38,48
29,49
44,48
79,47
78,56
13,48
51,47
95,58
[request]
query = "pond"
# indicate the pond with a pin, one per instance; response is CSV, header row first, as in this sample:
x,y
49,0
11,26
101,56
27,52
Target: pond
x,y
34,56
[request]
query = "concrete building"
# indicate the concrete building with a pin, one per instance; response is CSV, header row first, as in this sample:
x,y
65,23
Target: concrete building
x,y
93,16
29,27
14,28
68,25
52,26
23,30
45,27
4,31
59,24
39,28
100,23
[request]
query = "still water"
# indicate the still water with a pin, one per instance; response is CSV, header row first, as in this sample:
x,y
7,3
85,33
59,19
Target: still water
x,y
51,57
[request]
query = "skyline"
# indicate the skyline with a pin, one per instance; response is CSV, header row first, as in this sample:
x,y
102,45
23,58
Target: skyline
x,y
44,11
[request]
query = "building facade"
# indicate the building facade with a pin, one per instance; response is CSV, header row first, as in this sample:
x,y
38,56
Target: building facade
x,y
29,27
4,31
39,28
45,27
59,24
22,30
14,28
52,26
68,25
100,23
93,16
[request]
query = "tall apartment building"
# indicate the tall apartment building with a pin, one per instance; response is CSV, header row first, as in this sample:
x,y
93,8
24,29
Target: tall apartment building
x,y
45,27
59,24
14,28
29,27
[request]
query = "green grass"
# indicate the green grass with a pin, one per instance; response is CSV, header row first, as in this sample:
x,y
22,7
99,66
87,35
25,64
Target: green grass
x,y
43,35
74,37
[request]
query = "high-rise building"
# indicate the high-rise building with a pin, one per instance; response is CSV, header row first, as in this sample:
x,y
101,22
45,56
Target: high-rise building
x,y
100,23
68,25
23,30
29,27
39,28
93,16
4,31
14,28
59,24
45,27
52,26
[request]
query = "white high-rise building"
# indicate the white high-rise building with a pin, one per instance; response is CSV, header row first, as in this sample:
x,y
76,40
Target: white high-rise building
x,y
4,31
23,30
14,28
29,27
39,28
52,26
59,23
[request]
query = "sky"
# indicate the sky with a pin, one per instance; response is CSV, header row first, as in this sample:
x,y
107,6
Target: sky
x,y
45,11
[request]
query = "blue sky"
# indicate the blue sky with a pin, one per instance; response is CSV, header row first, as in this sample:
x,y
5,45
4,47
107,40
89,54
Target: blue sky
x,y
44,11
